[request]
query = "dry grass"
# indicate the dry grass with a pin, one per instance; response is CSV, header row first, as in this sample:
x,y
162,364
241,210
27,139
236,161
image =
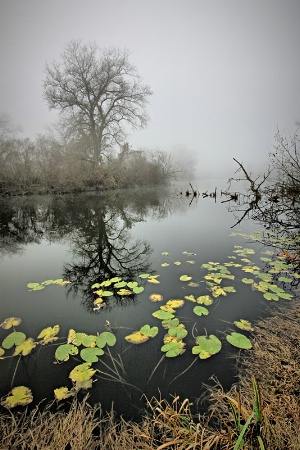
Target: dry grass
x,y
275,363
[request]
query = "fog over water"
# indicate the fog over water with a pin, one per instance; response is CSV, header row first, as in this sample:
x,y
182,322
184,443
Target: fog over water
x,y
224,75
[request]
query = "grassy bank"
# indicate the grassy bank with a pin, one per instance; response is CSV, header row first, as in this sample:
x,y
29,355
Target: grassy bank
x,y
261,411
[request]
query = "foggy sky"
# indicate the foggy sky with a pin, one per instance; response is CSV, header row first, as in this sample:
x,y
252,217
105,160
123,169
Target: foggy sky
x,y
224,73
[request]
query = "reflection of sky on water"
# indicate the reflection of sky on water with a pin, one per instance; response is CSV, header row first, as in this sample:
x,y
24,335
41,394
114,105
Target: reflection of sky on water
x,y
204,229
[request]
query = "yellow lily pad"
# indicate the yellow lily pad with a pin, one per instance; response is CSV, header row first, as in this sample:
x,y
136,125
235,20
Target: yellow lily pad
x,y
20,395
156,297
10,322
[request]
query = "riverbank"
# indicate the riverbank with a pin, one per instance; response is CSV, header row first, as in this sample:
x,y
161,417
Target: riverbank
x,y
274,361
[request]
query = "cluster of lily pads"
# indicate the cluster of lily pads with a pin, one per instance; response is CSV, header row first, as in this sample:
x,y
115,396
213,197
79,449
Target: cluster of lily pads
x,y
215,284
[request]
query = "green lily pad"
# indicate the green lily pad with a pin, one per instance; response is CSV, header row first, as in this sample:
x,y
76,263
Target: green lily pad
x,y
244,325
149,331
138,289
270,296
14,338
163,315
91,354
239,340
64,351
206,346
173,349
106,338
185,278
201,311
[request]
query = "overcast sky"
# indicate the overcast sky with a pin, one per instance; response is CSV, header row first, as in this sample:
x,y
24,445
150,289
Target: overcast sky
x,y
224,73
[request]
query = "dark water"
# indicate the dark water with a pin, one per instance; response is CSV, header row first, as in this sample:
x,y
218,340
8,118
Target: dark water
x,y
88,238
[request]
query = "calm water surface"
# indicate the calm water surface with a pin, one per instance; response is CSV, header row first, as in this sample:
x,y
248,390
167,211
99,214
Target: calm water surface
x,y
86,239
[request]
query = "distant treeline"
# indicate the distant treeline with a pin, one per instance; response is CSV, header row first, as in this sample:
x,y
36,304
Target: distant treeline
x,y
49,164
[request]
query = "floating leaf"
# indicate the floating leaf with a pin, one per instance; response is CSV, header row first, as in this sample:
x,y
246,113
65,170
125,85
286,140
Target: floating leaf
x,y
185,278
174,303
124,292
106,338
156,297
206,346
25,347
192,284
179,331
204,300
99,301
173,349
63,393
217,291
120,284
38,288
200,311
163,315
138,289
115,279
285,280
244,325
247,280
167,308
270,296
14,338
32,285
90,355
149,331
153,280
165,253
136,338
107,293
132,284
58,281
64,351
177,263
1,352
165,264
10,322
239,340
285,296
20,395
49,334
191,298
82,372
144,275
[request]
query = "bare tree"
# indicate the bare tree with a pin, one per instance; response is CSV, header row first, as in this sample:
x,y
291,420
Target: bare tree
x,y
99,92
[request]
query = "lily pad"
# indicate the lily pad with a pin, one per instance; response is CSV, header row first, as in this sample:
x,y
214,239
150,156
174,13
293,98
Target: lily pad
x,y
204,300
82,372
136,338
25,347
201,311
10,322
149,331
138,289
106,338
14,338
173,349
163,315
175,303
49,334
64,351
244,325
185,278
239,340
63,393
206,346
20,395
90,355
156,297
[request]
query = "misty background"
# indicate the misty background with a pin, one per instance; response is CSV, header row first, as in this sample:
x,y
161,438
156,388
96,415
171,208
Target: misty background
x,y
224,74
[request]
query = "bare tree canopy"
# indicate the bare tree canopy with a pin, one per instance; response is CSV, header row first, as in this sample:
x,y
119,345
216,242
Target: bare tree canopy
x,y
98,92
